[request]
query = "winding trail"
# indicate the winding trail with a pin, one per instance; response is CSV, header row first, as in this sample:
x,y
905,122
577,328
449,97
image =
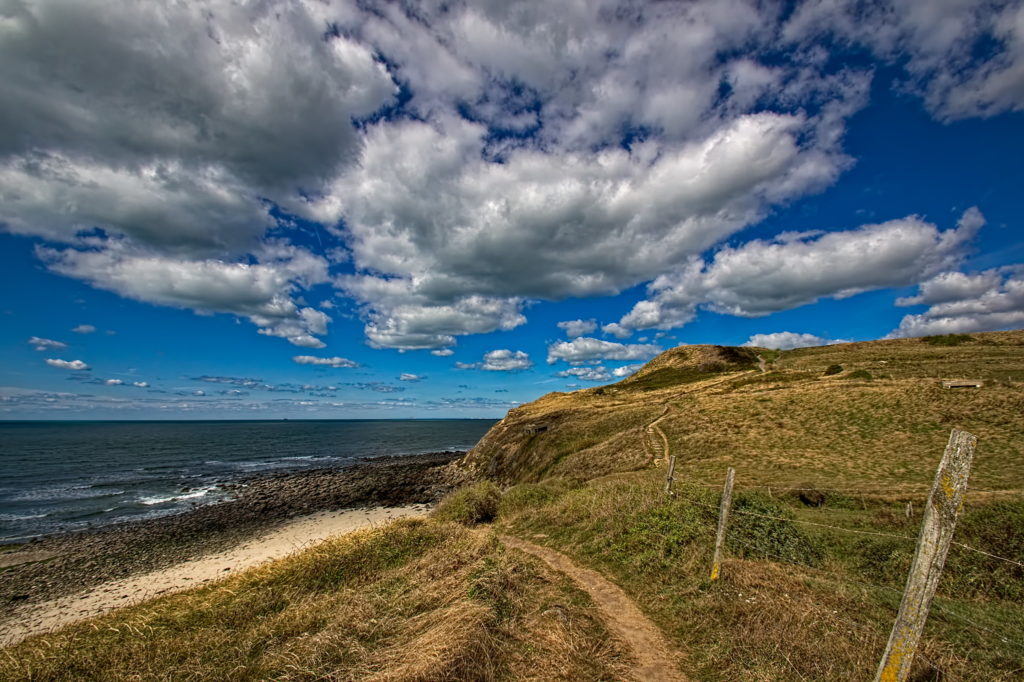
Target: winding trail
x,y
652,429
655,658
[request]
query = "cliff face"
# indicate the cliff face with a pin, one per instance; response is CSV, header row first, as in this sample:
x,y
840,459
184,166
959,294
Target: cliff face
x,y
875,409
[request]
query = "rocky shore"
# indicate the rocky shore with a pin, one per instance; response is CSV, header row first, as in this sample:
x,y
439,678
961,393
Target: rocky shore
x,y
63,564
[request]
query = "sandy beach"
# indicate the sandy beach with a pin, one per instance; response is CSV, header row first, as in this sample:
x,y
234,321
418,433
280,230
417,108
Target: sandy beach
x,y
70,577
34,618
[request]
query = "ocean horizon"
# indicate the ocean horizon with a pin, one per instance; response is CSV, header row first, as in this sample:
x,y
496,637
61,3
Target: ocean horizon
x,y
69,475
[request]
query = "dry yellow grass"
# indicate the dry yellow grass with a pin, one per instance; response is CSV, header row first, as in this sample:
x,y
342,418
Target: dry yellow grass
x,y
864,423
795,602
415,601
790,426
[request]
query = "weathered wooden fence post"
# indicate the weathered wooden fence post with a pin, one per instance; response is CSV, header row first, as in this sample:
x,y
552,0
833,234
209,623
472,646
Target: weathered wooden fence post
x,y
723,519
939,521
671,474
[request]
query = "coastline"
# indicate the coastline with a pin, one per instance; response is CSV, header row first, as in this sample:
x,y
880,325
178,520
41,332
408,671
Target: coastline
x,y
66,564
292,536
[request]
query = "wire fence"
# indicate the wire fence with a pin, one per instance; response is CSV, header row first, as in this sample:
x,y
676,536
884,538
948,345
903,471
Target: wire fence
x,y
915,489
843,578
967,615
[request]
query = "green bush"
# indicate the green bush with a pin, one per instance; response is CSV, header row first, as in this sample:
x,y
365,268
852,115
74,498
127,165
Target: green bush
x,y
947,339
833,369
762,528
860,374
471,504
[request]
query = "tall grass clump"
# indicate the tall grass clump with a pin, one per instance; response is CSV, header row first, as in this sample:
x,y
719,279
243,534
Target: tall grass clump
x,y
471,504
527,496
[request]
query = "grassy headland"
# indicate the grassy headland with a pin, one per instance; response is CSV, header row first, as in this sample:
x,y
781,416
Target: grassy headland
x,y
830,445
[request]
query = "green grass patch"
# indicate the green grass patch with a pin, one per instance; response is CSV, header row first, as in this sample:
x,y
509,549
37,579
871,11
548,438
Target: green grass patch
x,y
527,496
947,339
471,504
669,376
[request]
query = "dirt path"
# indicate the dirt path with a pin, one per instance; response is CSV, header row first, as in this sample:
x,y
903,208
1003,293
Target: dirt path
x,y
300,533
656,661
653,429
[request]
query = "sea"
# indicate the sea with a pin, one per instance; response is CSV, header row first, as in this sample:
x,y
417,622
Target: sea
x,y
60,477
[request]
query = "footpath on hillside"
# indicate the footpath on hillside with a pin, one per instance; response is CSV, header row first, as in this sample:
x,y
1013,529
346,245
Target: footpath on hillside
x,y
655,659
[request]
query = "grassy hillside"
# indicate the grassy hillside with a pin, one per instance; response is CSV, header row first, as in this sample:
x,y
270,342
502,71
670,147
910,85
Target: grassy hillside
x,y
797,600
861,414
830,445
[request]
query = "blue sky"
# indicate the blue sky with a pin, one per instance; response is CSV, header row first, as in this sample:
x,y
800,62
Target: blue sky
x,y
374,210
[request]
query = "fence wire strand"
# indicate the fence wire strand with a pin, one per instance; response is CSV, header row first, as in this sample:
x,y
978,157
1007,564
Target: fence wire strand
x,y
988,554
864,628
838,578
815,523
907,538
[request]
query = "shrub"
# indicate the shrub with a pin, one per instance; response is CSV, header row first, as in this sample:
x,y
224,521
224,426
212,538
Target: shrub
x,y
947,339
755,535
860,374
833,369
471,504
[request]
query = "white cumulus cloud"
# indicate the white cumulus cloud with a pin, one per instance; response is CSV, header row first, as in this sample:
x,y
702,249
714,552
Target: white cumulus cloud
x,y
325,362
77,365
960,304
262,292
586,373
762,277
586,349
500,360
216,106
788,340
936,43
44,344
574,328
626,370
84,329
408,376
